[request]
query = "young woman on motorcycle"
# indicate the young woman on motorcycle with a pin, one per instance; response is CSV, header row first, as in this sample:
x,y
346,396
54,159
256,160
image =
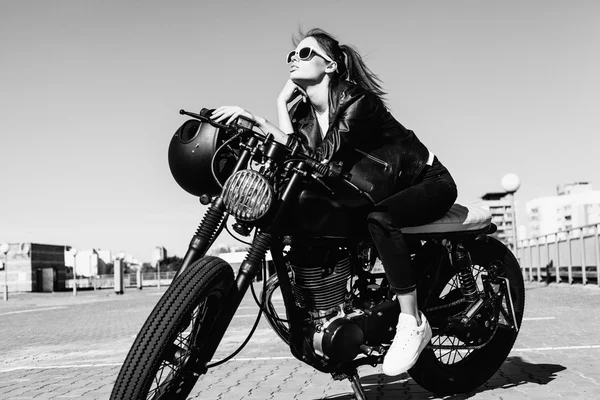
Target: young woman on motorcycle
x,y
342,110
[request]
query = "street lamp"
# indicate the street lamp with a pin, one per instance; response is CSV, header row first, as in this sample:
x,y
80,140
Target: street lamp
x,y
4,248
511,183
160,254
74,254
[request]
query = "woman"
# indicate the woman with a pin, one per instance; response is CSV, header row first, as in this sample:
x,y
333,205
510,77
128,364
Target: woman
x,y
342,117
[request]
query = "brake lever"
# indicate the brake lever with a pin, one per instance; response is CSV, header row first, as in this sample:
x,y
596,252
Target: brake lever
x,y
202,116
316,178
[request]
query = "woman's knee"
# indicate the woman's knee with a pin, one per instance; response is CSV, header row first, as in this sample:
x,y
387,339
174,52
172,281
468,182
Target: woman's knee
x,y
380,222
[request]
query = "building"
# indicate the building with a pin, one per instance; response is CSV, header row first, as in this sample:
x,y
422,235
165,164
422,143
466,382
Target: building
x,y
34,267
575,205
236,258
573,188
542,214
90,263
501,209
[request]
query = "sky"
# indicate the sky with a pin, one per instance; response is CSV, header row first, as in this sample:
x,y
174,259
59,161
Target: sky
x,y
90,93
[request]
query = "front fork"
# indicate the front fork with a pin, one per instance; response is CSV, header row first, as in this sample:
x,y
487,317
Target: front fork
x,y
249,268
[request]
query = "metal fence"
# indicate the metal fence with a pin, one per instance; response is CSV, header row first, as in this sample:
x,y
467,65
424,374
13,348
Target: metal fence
x,y
571,256
129,280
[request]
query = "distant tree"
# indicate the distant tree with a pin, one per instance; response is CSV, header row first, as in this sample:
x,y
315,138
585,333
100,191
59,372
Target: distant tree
x,y
171,263
110,269
148,267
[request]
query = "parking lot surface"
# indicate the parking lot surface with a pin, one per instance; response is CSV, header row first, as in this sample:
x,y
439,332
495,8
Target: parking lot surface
x,y
57,346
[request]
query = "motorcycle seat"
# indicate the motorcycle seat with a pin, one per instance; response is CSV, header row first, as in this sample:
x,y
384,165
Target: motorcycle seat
x,y
458,219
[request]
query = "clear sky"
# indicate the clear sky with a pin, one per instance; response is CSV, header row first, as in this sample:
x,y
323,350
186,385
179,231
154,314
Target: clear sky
x,y
90,93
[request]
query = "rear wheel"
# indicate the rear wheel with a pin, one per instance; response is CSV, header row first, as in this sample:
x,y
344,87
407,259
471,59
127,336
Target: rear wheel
x,y
453,363
160,364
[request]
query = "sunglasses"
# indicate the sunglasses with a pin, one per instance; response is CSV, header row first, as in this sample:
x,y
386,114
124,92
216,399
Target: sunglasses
x,y
304,54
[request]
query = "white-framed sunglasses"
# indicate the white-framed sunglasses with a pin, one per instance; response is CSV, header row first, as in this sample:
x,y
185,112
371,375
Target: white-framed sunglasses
x,y
304,54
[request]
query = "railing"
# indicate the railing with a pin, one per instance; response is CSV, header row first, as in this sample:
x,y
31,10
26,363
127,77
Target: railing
x,y
572,256
129,280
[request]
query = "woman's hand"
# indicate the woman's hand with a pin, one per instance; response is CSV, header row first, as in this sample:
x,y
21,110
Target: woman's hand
x,y
230,113
290,91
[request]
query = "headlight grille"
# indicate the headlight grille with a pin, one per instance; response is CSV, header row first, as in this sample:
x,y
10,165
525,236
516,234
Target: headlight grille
x,y
247,195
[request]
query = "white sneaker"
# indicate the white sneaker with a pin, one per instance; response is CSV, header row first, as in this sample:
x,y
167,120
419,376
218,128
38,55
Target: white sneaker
x,y
409,342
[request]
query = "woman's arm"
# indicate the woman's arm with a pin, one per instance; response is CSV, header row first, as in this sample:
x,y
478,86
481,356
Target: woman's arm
x,y
267,127
289,92
285,122
230,113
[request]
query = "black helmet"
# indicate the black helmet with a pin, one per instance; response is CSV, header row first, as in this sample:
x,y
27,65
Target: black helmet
x,y
190,155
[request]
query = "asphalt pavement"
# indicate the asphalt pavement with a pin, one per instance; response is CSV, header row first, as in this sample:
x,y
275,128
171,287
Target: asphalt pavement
x,y
57,346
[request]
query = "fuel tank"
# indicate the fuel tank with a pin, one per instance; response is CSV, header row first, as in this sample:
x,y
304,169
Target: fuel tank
x,y
318,213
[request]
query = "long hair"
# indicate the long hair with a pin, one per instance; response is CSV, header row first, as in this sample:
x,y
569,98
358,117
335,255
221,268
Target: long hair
x,y
351,66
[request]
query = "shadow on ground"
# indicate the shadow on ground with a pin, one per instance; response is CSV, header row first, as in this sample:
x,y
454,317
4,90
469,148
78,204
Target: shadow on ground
x,y
514,372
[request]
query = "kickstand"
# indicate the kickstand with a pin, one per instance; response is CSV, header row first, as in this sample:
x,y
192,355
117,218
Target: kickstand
x,y
357,387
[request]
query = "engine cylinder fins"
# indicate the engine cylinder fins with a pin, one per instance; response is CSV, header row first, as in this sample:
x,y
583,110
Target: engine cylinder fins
x,y
321,288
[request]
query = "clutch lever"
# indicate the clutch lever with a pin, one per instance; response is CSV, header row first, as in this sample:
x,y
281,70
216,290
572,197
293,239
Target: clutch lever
x,y
318,179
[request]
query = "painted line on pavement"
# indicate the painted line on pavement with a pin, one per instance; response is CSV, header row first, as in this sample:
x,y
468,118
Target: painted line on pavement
x,y
25,367
34,310
111,364
254,316
538,318
557,348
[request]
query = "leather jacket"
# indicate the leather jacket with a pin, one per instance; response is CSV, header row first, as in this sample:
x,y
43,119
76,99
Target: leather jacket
x,y
364,136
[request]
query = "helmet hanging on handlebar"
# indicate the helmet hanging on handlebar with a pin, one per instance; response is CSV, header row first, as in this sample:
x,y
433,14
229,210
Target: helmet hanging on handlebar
x,y
191,153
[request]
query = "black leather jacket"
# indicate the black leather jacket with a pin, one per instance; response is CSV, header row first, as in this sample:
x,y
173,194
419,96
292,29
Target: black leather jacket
x,y
364,136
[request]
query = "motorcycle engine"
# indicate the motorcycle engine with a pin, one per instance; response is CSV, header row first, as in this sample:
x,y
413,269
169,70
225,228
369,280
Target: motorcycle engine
x,y
321,283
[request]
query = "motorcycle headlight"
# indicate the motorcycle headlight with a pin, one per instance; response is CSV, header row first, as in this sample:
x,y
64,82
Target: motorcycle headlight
x,y
247,195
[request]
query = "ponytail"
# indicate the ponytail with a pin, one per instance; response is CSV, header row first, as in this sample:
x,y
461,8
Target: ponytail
x,y
355,70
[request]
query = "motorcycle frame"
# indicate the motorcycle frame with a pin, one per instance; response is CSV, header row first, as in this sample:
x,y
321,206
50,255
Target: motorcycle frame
x,y
269,239
251,266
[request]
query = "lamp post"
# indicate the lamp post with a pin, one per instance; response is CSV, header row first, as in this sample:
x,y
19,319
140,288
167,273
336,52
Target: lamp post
x,y
160,254
511,183
74,254
158,271
4,248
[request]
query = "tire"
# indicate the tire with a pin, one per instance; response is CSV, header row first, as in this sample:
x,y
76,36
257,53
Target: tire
x,y
444,373
160,360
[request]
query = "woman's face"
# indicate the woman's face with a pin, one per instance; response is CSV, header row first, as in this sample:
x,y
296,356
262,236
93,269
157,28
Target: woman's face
x,y
311,71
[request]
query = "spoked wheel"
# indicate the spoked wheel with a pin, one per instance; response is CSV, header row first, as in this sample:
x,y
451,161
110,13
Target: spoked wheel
x,y
162,360
462,358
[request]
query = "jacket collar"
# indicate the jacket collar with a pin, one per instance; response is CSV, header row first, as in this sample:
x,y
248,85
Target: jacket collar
x,y
337,95
306,118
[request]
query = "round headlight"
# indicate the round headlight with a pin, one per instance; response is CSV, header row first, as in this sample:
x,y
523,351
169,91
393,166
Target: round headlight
x,y
247,195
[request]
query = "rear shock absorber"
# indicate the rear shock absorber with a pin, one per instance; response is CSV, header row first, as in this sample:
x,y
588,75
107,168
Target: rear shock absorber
x,y
461,259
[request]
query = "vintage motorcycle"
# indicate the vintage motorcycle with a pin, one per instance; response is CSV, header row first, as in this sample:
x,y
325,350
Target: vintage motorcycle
x,y
339,311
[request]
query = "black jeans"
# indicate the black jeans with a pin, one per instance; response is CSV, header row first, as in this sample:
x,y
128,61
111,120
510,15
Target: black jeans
x,y
426,201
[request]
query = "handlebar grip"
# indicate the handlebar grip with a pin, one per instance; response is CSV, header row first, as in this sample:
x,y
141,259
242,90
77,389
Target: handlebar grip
x,y
205,112
359,182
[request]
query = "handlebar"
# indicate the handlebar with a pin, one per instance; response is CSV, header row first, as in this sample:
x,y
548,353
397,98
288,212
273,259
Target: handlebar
x,y
359,182
335,171
204,117
330,170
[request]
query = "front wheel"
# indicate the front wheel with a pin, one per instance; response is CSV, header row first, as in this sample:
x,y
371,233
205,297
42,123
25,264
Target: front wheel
x,y
160,364
453,363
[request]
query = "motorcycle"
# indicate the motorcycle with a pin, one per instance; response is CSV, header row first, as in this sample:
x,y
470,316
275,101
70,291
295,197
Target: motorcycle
x,y
339,311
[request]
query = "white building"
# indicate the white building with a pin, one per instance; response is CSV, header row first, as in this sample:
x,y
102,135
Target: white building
x,y
499,205
575,205
89,262
573,188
